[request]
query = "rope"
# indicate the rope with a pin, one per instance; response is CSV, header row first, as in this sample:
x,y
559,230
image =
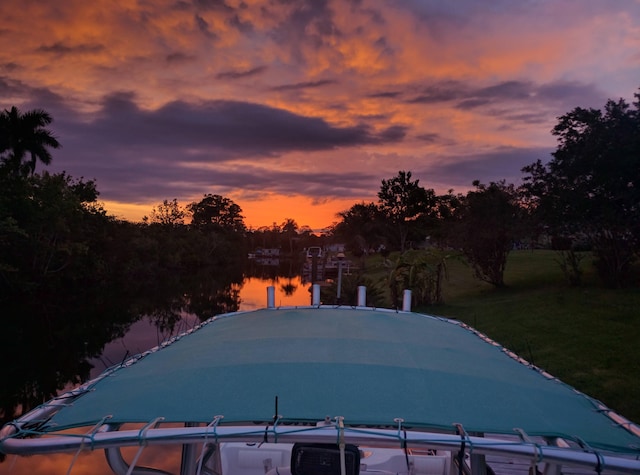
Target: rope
x,y
75,457
403,442
143,442
214,424
275,428
538,456
343,464
599,458
463,435
90,434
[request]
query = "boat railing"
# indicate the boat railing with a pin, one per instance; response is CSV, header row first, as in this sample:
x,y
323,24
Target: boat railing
x,y
371,437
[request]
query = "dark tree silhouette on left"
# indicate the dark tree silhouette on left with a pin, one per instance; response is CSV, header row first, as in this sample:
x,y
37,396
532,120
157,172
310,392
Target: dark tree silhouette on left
x,y
25,140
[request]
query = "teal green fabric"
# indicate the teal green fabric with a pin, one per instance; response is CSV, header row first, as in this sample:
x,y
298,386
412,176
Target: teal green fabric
x,y
367,366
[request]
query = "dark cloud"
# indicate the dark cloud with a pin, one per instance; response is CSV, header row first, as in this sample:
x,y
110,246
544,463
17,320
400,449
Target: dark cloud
x,y
561,95
378,117
310,22
238,24
10,67
181,149
179,58
213,5
254,180
507,90
38,98
238,128
181,5
385,95
303,85
61,48
526,118
237,74
203,26
137,154
570,94
376,16
429,138
394,133
473,103
131,184
502,163
445,91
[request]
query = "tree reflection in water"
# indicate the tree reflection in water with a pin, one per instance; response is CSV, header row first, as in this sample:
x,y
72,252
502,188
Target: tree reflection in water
x,y
48,341
54,342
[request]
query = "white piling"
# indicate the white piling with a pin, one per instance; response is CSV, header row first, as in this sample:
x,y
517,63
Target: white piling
x,y
362,296
316,295
406,301
271,296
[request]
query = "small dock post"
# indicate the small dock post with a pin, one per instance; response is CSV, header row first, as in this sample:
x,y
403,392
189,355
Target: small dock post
x,y
406,301
271,296
315,296
362,296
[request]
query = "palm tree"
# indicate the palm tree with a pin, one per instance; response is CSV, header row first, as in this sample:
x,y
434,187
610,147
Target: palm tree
x,y
290,230
22,134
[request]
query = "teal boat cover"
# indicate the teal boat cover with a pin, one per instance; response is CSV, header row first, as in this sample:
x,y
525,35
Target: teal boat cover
x,y
369,366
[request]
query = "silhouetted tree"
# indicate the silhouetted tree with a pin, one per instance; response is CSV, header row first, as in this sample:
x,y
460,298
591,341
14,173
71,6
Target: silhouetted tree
x,y
290,230
217,212
167,213
487,224
407,207
591,186
361,227
24,140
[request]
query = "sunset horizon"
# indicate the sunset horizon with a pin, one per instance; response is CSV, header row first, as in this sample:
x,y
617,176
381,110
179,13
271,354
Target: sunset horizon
x,y
298,110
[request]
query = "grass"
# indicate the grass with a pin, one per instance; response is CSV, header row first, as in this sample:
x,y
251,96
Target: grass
x,y
587,336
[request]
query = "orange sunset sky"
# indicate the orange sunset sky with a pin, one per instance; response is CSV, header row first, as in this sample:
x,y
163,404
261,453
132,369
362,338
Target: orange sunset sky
x,y
298,109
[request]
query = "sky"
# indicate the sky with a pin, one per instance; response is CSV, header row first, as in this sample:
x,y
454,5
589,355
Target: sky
x,y
298,109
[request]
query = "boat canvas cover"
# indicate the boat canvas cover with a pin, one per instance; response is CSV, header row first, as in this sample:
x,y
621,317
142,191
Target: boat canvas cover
x,y
368,366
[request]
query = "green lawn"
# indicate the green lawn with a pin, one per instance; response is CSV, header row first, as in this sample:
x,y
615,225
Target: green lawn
x,y
589,337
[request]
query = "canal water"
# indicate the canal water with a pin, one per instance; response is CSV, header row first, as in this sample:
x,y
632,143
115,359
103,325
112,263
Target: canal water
x,y
145,333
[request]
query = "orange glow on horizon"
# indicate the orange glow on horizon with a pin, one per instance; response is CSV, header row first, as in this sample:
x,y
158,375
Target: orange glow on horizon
x,y
257,213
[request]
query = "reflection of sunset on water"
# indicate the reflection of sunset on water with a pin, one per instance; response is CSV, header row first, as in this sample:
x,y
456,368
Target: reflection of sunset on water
x,y
90,463
254,292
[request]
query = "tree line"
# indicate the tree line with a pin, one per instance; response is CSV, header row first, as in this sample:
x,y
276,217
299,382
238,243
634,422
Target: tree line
x,y
587,197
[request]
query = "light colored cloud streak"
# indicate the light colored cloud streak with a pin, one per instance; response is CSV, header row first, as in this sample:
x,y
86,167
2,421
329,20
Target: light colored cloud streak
x,y
299,109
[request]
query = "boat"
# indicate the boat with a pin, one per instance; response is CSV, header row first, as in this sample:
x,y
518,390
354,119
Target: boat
x,y
332,390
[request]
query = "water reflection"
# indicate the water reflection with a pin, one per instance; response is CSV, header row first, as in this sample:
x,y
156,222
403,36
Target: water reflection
x,y
57,342
149,332
52,338
289,291
166,458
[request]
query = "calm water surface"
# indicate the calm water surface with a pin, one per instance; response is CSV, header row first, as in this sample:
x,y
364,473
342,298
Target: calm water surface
x,y
144,334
